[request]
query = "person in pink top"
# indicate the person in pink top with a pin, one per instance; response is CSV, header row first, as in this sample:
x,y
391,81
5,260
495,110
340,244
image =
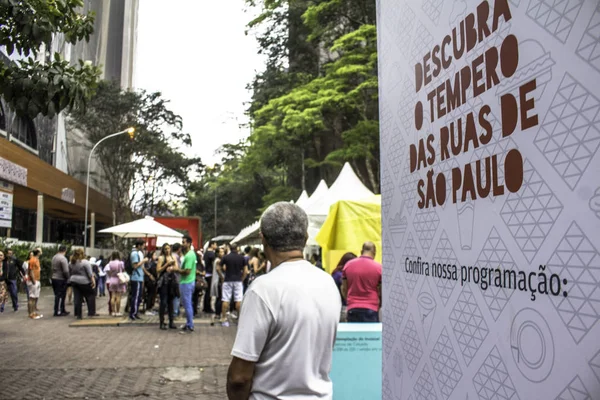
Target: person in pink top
x,y
361,286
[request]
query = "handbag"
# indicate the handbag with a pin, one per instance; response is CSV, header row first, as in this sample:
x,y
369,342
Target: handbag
x,y
201,283
123,277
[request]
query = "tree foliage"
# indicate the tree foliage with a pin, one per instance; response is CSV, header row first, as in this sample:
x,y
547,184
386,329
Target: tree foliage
x,y
146,172
314,107
32,87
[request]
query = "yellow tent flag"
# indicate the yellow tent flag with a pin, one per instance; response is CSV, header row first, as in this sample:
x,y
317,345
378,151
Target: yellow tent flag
x,y
348,225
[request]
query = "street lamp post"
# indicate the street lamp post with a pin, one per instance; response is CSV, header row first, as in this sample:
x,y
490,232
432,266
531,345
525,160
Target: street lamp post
x,y
215,210
87,186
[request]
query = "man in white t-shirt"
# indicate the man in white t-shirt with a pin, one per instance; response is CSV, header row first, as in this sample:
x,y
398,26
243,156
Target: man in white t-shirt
x,y
288,320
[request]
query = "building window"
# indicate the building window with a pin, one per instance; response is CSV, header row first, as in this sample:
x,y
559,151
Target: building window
x,y
23,129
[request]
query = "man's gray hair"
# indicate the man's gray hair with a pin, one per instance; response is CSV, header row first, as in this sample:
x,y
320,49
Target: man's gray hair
x,y
284,227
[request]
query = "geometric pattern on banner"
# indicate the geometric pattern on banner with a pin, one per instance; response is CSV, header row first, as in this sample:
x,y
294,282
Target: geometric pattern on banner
x,y
576,260
411,345
589,46
386,120
492,381
387,189
496,253
396,148
427,308
389,337
411,251
386,391
433,9
420,46
407,185
595,364
405,109
445,364
532,345
530,213
389,261
426,222
468,324
575,391
401,24
424,389
556,17
570,134
444,254
397,227
398,302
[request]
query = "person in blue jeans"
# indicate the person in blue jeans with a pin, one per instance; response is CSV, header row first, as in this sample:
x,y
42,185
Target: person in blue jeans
x,y
137,278
187,283
13,268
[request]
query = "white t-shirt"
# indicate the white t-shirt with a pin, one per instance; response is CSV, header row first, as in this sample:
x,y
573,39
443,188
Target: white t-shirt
x,y
287,326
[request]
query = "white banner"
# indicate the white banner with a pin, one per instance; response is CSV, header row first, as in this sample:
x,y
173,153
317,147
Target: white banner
x,y
5,223
6,213
490,130
6,199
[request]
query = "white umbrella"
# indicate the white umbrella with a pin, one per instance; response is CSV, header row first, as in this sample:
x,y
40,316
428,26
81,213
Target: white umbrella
x,y
143,228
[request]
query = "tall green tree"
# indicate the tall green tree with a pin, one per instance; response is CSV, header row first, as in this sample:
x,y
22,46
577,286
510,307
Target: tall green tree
x,y
147,171
30,86
313,107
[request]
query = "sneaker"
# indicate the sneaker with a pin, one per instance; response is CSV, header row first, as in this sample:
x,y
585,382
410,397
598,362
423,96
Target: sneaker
x,y
132,319
38,316
16,310
138,317
118,314
186,330
65,314
233,315
149,314
225,324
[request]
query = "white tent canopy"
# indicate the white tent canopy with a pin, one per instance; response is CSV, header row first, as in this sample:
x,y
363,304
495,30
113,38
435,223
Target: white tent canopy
x,y
347,186
302,199
249,233
144,228
317,197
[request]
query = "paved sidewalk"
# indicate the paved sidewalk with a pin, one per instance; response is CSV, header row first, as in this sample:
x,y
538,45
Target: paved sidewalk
x,y
47,359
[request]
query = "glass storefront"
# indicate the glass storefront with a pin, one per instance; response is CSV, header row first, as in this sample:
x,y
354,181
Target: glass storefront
x,y
56,230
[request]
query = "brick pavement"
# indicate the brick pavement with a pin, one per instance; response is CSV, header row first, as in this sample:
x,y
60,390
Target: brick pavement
x,y
47,359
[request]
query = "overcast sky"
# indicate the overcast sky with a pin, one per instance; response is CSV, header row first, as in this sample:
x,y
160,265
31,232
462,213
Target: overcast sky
x,y
197,55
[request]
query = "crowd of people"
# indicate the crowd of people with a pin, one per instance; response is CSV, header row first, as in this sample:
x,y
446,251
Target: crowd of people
x,y
212,282
291,307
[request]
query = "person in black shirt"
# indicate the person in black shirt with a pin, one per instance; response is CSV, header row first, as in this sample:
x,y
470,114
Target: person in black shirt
x,y
209,260
235,268
13,267
150,282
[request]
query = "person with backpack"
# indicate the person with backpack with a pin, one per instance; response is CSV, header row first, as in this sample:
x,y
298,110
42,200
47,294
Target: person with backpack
x,y
137,260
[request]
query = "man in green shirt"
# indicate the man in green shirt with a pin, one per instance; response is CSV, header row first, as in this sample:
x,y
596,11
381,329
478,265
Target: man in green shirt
x,y
187,283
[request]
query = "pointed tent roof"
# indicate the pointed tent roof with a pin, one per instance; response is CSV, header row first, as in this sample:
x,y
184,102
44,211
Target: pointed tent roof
x,y
318,195
250,231
347,186
302,199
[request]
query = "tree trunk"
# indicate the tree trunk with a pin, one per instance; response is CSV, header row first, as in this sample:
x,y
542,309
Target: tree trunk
x,y
372,178
357,170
